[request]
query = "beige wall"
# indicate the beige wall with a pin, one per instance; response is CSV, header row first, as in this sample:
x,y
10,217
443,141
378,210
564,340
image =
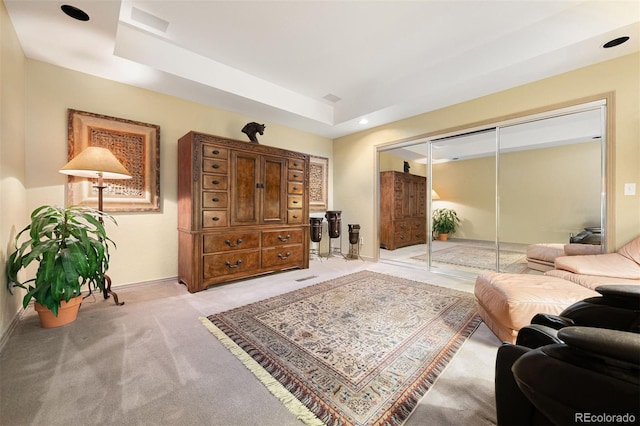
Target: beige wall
x,y
357,181
12,157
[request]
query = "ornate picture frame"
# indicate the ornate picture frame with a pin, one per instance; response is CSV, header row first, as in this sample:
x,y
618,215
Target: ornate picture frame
x,y
135,144
318,183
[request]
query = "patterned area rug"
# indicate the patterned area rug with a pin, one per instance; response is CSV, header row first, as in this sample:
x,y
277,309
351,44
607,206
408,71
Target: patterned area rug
x,y
482,258
357,350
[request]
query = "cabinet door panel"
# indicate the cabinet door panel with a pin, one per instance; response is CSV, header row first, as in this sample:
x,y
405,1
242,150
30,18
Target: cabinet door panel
x,y
244,191
274,208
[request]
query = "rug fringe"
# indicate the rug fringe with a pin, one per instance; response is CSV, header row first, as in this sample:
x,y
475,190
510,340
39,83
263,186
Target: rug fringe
x,y
275,387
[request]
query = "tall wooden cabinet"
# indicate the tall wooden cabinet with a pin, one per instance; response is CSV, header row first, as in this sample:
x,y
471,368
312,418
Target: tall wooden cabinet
x,y
403,219
243,210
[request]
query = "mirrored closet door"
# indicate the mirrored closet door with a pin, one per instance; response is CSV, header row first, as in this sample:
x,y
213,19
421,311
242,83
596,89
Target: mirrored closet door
x,y
532,180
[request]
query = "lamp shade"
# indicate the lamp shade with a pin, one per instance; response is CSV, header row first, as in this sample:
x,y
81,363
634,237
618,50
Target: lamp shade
x,y
95,162
434,195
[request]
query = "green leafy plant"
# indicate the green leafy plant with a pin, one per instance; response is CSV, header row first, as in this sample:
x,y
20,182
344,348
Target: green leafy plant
x,y
445,221
72,249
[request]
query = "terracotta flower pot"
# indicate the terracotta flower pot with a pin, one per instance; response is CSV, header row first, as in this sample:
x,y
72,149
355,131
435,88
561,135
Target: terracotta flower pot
x,y
67,313
443,237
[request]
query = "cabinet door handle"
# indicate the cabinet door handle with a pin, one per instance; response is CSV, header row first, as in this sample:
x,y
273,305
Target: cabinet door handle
x,y
286,256
215,199
229,265
284,239
215,218
237,243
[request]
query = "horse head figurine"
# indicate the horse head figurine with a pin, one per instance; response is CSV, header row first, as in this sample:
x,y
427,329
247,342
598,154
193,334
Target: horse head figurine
x,y
250,129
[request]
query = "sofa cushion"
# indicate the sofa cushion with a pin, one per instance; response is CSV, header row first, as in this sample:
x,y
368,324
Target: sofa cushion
x,y
507,302
589,281
582,249
631,251
601,265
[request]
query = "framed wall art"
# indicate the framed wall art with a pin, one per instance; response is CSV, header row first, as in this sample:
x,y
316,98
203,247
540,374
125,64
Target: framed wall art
x,y
136,145
318,183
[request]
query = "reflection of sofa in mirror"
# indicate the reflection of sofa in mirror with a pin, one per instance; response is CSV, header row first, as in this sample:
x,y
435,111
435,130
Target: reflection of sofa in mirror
x,y
542,257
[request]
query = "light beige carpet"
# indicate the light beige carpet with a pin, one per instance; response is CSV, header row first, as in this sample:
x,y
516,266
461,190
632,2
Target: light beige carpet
x,y
361,349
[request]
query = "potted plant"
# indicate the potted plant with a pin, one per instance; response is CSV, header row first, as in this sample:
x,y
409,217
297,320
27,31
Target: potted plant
x,y
72,249
445,222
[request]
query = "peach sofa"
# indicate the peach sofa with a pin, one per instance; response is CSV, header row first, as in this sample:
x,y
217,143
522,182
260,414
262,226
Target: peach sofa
x,y
508,302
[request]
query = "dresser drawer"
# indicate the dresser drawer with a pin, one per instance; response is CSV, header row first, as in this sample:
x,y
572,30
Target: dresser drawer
x,y
282,257
295,188
211,151
296,164
214,218
213,200
294,217
402,226
295,176
230,242
215,182
214,165
294,201
215,265
283,236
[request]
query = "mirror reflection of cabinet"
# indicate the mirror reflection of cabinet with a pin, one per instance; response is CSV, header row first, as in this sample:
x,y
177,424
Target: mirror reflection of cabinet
x,y
402,210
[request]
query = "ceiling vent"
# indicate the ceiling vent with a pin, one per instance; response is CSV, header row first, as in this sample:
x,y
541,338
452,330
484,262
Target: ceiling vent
x,y
149,20
332,98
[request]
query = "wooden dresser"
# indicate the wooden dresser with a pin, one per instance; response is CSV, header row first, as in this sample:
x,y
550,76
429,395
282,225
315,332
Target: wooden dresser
x,y
243,210
403,219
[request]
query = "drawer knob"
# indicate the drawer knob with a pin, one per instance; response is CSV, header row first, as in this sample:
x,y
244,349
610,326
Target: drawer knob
x,y
215,166
284,239
215,152
295,188
286,256
295,175
229,265
236,244
215,199
295,216
215,182
215,218
295,201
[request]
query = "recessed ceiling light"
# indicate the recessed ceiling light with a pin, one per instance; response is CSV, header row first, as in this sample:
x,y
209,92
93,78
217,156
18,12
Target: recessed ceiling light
x,y
615,42
74,12
363,121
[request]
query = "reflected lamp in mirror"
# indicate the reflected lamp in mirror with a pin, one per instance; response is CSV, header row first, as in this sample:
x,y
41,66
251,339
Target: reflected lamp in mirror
x,y
96,162
434,195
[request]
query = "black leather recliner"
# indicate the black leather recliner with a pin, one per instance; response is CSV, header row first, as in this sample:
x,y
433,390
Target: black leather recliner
x,y
575,368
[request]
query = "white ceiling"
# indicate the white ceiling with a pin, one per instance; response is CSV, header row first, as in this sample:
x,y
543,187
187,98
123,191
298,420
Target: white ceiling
x,y
275,61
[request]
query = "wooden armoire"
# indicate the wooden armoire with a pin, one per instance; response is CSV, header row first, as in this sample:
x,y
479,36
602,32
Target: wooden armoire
x,y
403,219
243,210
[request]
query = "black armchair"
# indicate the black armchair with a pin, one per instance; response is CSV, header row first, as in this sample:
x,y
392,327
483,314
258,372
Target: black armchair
x,y
558,373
